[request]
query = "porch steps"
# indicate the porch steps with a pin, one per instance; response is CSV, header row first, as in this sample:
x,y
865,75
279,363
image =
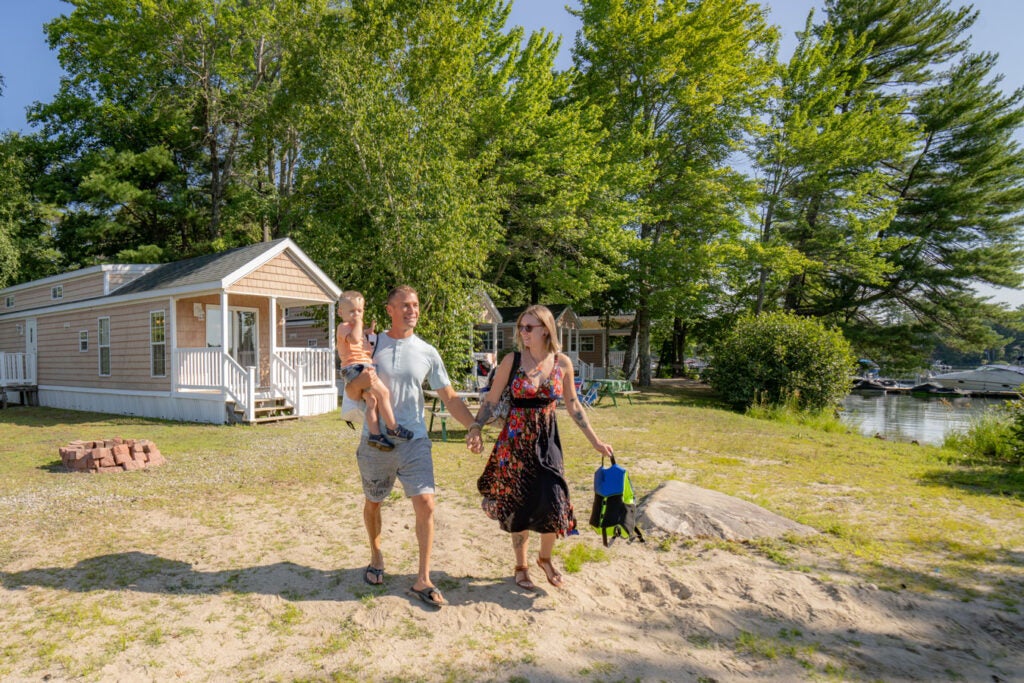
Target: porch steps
x,y
266,410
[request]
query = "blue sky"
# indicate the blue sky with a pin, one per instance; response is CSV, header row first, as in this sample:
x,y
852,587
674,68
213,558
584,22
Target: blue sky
x,y
31,72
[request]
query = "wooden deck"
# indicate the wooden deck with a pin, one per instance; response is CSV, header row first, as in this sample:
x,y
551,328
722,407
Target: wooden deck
x,y
28,395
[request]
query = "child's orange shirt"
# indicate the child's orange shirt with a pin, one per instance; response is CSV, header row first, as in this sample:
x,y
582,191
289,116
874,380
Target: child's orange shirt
x,y
353,354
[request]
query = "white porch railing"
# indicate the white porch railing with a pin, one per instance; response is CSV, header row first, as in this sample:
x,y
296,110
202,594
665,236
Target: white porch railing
x,y
17,368
292,370
584,370
286,381
212,370
198,369
317,364
240,386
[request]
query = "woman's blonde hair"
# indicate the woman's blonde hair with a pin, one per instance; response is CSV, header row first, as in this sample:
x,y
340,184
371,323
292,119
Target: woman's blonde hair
x,y
542,314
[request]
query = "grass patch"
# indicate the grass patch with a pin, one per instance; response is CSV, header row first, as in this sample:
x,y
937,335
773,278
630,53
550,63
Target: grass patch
x,y
580,554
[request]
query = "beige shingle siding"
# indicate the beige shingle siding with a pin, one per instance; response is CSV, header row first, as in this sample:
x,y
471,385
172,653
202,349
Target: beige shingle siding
x,y
62,364
281,276
10,340
119,278
86,286
191,331
301,331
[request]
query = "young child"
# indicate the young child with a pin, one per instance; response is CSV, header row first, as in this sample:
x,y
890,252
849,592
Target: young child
x,y
357,369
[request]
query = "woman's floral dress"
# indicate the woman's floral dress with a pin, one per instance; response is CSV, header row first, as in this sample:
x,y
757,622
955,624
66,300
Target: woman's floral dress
x,y
523,485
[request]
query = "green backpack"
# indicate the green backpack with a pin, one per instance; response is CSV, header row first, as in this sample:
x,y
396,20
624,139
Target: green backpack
x,y
614,512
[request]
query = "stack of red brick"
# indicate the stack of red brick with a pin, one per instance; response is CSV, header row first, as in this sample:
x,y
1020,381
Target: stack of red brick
x,y
111,455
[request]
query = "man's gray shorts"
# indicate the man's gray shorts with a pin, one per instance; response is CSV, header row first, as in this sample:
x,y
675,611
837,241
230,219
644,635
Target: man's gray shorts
x,y
411,463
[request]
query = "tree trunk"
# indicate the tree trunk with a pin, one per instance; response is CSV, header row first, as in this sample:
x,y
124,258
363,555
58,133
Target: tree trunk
x,y
679,334
644,345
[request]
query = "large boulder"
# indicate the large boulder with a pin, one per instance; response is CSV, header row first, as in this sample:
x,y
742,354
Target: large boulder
x,y
692,512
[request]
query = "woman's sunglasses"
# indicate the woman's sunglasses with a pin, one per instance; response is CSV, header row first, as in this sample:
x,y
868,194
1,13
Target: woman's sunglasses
x,y
527,328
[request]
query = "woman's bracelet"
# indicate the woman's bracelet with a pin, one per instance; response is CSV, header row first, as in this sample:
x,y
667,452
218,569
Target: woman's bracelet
x,y
475,424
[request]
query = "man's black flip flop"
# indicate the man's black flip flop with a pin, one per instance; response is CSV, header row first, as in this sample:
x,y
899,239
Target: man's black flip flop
x,y
430,595
378,573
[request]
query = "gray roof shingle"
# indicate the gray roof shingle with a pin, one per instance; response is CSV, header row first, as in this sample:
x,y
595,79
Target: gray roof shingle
x,y
211,268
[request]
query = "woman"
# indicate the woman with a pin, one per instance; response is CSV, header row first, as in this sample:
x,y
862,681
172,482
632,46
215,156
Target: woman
x,y
523,485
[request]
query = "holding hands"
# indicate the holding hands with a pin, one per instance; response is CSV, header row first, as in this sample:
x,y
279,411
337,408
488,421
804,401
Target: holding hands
x,y
474,438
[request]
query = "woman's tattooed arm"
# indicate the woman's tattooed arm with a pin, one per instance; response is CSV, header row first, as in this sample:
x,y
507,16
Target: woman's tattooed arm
x,y
485,413
579,416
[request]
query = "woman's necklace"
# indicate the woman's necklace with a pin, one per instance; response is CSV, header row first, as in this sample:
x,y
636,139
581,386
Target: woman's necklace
x,y
536,371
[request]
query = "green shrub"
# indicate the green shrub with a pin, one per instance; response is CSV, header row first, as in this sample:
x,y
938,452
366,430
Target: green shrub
x,y
778,359
996,437
988,439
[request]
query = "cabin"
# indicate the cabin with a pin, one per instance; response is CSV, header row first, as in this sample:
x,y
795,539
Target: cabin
x,y
498,337
603,341
199,340
596,344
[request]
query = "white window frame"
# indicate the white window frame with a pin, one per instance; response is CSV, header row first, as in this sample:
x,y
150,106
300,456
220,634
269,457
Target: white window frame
x,y
9,301
101,347
83,341
153,344
312,343
586,341
487,346
57,292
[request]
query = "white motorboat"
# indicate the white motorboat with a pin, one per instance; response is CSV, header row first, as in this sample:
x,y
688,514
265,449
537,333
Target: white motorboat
x,y
984,379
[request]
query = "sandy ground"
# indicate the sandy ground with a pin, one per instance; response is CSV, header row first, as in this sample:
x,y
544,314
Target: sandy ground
x,y
270,593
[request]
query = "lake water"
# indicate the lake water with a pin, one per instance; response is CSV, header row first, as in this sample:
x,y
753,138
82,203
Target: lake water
x,y
903,417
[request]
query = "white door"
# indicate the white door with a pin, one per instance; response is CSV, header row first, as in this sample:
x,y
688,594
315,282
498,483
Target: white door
x,y
31,347
243,337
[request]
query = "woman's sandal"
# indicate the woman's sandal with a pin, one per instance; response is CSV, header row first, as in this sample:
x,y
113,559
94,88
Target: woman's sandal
x,y
554,578
524,582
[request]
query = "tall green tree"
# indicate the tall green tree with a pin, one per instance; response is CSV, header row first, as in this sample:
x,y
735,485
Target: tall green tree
x,y
680,85
173,126
829,190
14,204
398,186
445,155
961,188
561,211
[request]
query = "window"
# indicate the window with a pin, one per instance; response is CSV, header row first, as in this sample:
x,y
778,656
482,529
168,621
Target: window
x,y
311,343
586,344
488,340
103,341
10,301
57,292
83,340
157,344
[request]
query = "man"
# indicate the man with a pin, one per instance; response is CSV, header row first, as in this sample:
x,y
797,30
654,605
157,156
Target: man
x,y
403,361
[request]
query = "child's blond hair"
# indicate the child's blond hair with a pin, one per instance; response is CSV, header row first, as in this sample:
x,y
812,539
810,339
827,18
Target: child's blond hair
x,y
347,300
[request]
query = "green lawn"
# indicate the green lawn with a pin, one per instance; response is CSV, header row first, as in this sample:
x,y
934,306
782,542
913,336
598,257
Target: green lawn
x,y
238,505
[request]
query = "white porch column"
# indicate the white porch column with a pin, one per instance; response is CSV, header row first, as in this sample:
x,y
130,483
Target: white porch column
x,y
172,332
273,325
331,327
225,330
250,394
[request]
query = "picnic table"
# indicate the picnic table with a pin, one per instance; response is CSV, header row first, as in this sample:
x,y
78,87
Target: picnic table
x,y
614,388
437,409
